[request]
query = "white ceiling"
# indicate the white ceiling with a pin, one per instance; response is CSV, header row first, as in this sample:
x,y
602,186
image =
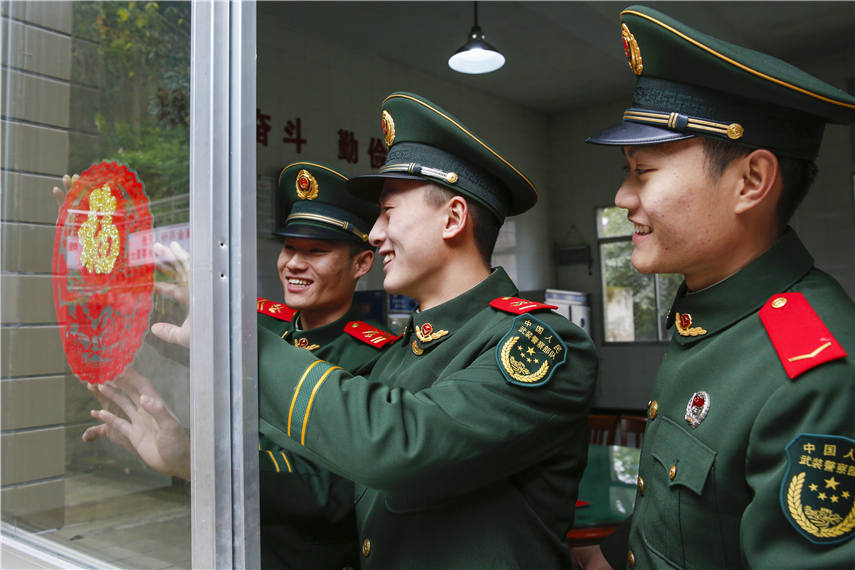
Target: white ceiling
x,y
563,55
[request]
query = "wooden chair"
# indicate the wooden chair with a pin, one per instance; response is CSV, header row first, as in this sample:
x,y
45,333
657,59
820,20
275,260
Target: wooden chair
x,y
603,428
632,425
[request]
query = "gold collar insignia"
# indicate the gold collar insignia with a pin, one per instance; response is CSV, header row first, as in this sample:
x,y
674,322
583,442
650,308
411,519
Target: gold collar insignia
x,y
684,325
304,343
425,333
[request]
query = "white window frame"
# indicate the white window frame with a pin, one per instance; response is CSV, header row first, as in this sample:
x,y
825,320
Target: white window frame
x,y
223,387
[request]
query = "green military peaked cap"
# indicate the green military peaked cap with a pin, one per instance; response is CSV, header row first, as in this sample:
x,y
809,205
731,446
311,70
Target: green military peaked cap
x,y
427,143
313,202
689,83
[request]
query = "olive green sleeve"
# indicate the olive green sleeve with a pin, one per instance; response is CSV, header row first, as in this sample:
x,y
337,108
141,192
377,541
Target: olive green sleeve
x,y
821,402
293,485
470,427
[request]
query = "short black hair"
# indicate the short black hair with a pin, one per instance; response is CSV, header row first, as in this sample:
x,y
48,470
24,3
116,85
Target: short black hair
x,y
485,225
797,174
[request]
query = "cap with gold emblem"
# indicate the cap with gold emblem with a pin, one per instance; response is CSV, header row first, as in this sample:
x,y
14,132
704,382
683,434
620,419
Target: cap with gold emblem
x,y
689,83
427,143
313,202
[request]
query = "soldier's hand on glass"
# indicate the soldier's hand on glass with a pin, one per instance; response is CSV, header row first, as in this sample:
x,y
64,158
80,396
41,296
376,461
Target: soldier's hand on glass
x,y
60,193
174,261
148,427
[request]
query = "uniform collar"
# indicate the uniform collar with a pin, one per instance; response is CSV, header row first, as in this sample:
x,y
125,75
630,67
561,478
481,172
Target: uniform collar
x,y
446,318
713,309
321,336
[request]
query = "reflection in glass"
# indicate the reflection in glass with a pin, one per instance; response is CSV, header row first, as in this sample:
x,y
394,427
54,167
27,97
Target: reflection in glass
x,y
89,84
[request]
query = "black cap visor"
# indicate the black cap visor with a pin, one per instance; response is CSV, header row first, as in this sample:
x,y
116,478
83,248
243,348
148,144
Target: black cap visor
x,y
632,134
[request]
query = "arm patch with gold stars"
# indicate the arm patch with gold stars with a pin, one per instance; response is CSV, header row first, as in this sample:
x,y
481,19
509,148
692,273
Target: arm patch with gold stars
x,y
518,306
530,352
369,335
818,490
799,336
270,308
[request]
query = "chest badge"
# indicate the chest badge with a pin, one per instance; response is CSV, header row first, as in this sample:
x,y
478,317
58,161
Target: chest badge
x,y
697,408
425,333
684,325
530,352
818,490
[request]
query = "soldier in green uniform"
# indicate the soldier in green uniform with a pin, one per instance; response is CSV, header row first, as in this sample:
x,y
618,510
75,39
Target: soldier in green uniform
x,y
325,253
749,456
468,439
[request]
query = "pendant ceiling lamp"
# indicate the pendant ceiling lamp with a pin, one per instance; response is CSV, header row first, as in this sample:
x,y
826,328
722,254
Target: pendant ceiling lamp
x,y
476,55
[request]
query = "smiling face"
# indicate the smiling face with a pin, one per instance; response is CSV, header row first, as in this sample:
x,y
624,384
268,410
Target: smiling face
x,y
408,235
319,277
684,218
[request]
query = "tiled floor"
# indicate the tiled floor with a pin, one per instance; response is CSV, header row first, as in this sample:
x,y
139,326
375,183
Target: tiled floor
x,y
127,523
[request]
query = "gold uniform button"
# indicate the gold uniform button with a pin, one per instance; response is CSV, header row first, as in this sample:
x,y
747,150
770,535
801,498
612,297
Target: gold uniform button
x,y
652,409
640,485
779,302
672,472
366,547
630,557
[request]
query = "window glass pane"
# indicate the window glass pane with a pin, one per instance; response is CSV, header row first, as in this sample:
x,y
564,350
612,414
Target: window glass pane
x,y
612,222
505,251
101,90
668,285
629,305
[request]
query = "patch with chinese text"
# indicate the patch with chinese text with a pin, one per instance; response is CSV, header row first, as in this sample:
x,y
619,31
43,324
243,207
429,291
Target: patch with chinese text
x,y
101,291
818,490
530,352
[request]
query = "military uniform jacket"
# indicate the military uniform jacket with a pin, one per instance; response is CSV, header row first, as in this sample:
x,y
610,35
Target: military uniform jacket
x,y
468,440
742,464
306,511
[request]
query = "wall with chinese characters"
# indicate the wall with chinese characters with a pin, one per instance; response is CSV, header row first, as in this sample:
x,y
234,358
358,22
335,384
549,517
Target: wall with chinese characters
x,y
825,222
318,101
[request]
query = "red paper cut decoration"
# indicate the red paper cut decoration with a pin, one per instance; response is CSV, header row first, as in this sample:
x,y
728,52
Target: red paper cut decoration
x,y
102,301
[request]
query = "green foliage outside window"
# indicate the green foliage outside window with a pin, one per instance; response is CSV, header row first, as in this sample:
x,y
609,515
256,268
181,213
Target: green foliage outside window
x,y
634,305
133,59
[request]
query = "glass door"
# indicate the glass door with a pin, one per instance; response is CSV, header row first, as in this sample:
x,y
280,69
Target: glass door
x,y
108,166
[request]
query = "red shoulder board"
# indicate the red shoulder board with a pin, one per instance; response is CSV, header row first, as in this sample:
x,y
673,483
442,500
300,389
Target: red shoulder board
x,y
369,335
800,338
518,306
279,311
